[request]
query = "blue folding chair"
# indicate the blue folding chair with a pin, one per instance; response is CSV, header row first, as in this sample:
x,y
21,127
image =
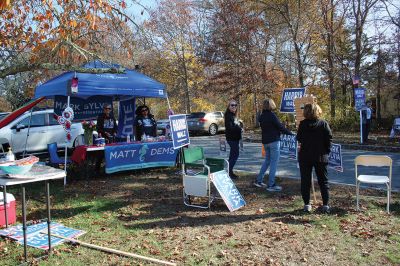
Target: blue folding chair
x,y
55,160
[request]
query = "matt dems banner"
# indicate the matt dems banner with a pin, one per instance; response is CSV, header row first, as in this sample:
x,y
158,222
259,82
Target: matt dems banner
x,y
288,96
84,109
136,156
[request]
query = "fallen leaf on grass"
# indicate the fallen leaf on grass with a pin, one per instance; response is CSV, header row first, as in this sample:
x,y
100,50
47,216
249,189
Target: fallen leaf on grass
x,y
260,211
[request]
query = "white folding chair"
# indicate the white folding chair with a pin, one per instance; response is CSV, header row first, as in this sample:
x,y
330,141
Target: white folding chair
x,y
377,161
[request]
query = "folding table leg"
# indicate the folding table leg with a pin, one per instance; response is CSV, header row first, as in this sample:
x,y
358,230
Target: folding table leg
x,y
5,204
24,222
47,185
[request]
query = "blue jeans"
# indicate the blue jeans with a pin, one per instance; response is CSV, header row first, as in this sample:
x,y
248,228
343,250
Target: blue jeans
x,y
233,153
272,151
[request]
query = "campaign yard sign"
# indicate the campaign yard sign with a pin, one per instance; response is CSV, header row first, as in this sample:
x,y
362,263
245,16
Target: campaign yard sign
x,y
88,108
228,191
359,98
288,96
335,158
179,130
288,146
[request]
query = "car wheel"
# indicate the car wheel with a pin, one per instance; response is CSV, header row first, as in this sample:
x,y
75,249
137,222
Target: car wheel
x,y
213,129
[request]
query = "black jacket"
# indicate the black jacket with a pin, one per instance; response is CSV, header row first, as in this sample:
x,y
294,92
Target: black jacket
x,y
100,125
233,131
140,127
271,128
315,137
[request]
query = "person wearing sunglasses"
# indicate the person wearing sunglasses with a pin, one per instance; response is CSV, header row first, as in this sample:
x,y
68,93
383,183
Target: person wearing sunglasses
x,y
106,124
145,124
233,134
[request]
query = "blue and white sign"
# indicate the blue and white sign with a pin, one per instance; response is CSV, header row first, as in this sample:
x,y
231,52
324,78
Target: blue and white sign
x,y
288,146
137,156
84,109
359,98
179,130
228,191
126,117
288,96
335,158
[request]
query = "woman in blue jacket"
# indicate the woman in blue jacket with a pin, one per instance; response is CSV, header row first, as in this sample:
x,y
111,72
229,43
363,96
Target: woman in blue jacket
x,y
271,129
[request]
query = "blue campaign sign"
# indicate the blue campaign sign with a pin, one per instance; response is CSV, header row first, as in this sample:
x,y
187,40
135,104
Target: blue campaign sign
x,y
125,118
88,108
288,96
136,156
335,158
288,146
227,189
359,98
179,130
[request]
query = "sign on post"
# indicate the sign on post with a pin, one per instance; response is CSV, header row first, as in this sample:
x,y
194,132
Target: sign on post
x,y
288,96
179,131
228,191
288,146
359,98
335,158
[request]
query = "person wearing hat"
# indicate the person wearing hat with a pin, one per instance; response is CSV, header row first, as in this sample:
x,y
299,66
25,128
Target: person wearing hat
x,y
106,124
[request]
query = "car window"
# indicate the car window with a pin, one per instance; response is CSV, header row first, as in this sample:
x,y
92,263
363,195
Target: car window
x,y
218,114
52,120
196,115
38,120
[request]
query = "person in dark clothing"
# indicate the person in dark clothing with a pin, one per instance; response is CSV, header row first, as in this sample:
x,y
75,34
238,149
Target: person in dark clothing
x,y
366,114
271,129
144,123
315,138
233,134
106,124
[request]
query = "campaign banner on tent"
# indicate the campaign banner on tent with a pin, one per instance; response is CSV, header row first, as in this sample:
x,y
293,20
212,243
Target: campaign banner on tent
x,y
126,117
136,156
37,234
228,191
359,98
335,158
179,130
288,96
288,146
84,109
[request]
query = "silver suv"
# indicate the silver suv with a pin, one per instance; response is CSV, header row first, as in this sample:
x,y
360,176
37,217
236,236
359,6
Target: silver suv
x,y
44,129
202,122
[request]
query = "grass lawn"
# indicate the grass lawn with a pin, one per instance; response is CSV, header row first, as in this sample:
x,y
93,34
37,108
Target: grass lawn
x,y
142,212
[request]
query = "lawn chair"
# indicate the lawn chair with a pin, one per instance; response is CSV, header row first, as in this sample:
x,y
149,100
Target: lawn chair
x,y
196,172
395,128
377,161
55,160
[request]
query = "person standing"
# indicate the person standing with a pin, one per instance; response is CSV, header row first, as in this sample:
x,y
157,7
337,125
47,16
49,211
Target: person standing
x,y
366,120
233,134
145,124
271,129
106,124
315,138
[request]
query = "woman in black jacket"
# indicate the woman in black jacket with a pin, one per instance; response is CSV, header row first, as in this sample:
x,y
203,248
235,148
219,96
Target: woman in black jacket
x,y
106,124
315,138
144,124
233,134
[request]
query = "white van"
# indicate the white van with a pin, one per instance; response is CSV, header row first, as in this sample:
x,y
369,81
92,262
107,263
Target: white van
x,y
44,129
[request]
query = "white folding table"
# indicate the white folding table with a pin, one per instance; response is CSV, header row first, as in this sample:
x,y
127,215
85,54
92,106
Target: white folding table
x,y
38,173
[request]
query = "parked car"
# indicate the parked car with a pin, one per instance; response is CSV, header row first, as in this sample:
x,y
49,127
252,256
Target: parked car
x,y
161,126
43,129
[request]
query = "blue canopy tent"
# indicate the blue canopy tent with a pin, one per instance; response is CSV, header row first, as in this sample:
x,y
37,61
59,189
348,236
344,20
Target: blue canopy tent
x,y
131,83
117,86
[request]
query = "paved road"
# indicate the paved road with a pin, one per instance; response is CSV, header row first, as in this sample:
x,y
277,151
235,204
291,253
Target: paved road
x,y
250,160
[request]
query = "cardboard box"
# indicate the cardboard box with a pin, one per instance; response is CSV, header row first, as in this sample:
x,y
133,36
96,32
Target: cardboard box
x,y
10,209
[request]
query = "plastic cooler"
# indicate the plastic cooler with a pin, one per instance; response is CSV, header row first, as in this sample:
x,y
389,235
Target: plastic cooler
x,y
10,209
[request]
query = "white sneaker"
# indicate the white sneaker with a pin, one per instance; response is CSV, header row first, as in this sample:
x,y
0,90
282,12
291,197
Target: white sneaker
x,y
307,208
261,184
274,188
